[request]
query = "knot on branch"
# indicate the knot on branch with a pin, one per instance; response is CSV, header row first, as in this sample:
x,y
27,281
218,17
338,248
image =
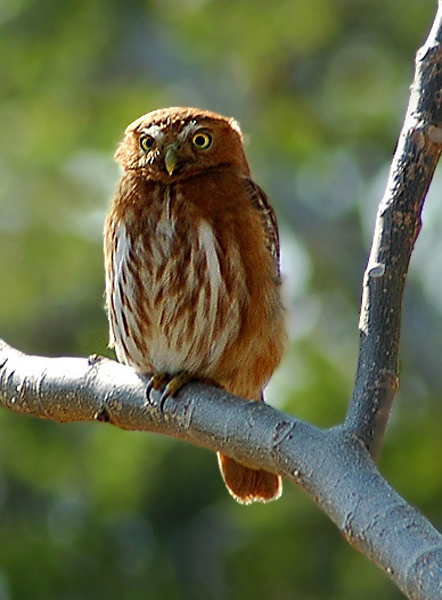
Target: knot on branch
x,y
376,270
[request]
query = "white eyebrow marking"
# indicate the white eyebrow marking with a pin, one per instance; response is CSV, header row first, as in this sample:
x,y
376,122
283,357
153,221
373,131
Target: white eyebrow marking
x,y
188,129
154,130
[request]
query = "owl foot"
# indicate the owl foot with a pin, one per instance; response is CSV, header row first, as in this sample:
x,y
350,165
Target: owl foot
x,y
169,384
173,387
156,382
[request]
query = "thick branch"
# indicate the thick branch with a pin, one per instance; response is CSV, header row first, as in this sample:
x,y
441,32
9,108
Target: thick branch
x,y
331,466
397,227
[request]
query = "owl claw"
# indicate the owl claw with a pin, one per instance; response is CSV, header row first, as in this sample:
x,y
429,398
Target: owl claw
x,y
156,382
170,385
175,384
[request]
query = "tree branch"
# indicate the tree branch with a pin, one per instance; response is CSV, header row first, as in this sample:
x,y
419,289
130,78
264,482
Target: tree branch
x,y
397,227
331,466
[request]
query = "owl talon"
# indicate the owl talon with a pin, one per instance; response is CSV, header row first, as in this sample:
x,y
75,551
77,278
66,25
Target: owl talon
x,y
173,386
176,383
169,384
156,382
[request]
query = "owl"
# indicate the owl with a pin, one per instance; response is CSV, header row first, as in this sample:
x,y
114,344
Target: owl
x,y
192,267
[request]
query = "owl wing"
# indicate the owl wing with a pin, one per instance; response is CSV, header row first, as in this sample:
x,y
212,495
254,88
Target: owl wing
x,y
260,201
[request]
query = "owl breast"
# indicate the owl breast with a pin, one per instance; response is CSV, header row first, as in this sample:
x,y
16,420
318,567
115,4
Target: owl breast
x,y
191,287
171,305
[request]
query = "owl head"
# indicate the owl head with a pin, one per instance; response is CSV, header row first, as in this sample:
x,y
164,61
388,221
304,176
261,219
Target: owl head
x,y
175,143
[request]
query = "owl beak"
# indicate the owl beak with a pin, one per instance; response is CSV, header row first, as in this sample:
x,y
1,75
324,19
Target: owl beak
x,y
171,158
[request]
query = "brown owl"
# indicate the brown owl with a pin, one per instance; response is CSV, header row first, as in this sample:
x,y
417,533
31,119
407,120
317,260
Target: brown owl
x,y
192,267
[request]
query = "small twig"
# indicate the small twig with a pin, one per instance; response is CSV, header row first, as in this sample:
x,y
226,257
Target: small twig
x,y
397,227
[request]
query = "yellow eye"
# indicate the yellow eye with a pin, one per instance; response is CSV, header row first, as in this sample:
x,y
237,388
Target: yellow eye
x,y
146,142
202,140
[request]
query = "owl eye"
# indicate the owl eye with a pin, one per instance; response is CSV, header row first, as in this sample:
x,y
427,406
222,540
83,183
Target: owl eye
x,y
146,142
202,140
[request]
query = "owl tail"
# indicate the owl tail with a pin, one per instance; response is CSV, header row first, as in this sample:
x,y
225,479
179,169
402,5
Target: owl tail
x,y
249,485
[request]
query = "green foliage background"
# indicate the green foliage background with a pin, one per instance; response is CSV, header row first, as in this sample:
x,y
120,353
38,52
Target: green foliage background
x,y
320,88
